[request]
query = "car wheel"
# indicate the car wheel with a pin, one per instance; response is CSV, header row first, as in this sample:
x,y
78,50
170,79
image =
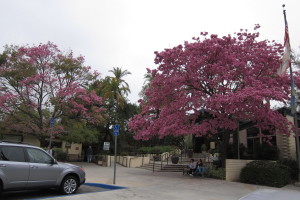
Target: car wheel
x,y
69,185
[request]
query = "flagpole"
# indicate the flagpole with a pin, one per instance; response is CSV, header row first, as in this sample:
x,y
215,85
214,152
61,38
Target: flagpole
x,y
293,100
294,112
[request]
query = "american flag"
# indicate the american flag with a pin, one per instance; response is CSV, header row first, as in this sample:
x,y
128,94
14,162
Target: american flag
x,y
286,60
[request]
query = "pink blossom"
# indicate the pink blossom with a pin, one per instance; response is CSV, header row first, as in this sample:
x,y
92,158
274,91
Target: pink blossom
x,y
231,78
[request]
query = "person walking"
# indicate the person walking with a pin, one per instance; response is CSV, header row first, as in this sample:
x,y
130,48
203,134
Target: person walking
x,y
49,151
89,154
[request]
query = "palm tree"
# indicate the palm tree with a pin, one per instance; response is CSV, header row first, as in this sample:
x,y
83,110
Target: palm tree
x,y
116,87
118,75
113,90
148,78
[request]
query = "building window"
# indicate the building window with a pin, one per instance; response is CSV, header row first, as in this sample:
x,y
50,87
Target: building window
x,y
257,136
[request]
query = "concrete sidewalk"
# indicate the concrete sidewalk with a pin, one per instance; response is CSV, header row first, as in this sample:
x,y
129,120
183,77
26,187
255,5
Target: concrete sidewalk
x,y
144,184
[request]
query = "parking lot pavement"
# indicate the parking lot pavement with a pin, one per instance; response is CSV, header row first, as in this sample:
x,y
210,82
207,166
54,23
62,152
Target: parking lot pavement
x,y
271,194
50,193
146,185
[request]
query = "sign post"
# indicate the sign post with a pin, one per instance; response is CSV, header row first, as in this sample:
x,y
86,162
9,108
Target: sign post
x,y
106,146
52,121
116,130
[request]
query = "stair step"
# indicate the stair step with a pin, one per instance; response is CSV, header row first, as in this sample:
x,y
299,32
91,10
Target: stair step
x,y
164,167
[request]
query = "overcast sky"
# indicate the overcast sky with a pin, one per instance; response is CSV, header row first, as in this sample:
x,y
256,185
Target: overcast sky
x,y
125,33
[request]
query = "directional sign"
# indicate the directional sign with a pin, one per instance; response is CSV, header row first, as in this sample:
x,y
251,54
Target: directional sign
x,y
106,146
116,133
116,130
116,127
52,121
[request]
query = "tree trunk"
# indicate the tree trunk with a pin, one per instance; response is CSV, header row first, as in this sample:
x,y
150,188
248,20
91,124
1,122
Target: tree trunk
x,y
223,146
235,144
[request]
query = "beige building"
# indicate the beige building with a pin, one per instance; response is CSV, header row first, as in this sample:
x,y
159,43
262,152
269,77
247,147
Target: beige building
x,y
286,144
74,150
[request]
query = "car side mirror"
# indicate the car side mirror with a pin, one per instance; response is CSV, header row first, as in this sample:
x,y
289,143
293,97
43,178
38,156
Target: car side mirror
x,y
54,162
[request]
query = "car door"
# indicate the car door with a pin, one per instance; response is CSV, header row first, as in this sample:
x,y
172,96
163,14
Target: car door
x,y
43,170
13,167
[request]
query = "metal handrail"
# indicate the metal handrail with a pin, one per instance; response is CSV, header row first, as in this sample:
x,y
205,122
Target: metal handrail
x,y
153,164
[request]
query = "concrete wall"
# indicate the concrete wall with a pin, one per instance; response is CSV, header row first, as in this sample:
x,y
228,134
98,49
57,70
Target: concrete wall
x,y
133,161
31,140
138,161
292,142
126,161
74,148
292,147
107,160
233,168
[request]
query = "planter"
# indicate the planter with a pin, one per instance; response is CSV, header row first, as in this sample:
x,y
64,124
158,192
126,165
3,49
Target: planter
x,y
97,159
174,159
203,148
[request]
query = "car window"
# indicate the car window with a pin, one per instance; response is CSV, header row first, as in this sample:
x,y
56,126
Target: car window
x,y
38,156
10,153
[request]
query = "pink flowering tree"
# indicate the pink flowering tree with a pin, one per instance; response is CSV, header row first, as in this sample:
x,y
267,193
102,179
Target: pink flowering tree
x,y
206,86
41,82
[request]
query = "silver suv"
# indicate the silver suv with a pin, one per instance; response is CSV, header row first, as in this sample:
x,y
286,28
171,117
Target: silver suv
x,y
25,166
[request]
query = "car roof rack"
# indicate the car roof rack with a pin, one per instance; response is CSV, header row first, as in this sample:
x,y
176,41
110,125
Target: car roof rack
x,y
13,142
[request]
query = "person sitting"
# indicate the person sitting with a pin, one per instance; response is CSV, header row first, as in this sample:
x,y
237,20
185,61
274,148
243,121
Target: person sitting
x,y
199,169
192,166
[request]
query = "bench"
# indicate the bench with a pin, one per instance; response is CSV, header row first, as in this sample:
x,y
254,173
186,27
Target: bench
x,y
206,166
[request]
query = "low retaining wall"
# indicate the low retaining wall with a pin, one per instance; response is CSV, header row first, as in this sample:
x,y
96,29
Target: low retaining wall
x,y
163,156
126,161
132,161
234,167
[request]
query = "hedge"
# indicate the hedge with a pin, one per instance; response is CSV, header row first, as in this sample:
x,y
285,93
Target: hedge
x,y
267,173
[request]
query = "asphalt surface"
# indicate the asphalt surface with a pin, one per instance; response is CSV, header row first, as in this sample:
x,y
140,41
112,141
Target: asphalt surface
x,y
143,184
46,193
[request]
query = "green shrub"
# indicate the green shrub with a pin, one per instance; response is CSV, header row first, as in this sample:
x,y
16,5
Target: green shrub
x,y
266,173
167,148
127,148
124,153
294,167
143,150
98,157
59,154
265,151
156,149
219,173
